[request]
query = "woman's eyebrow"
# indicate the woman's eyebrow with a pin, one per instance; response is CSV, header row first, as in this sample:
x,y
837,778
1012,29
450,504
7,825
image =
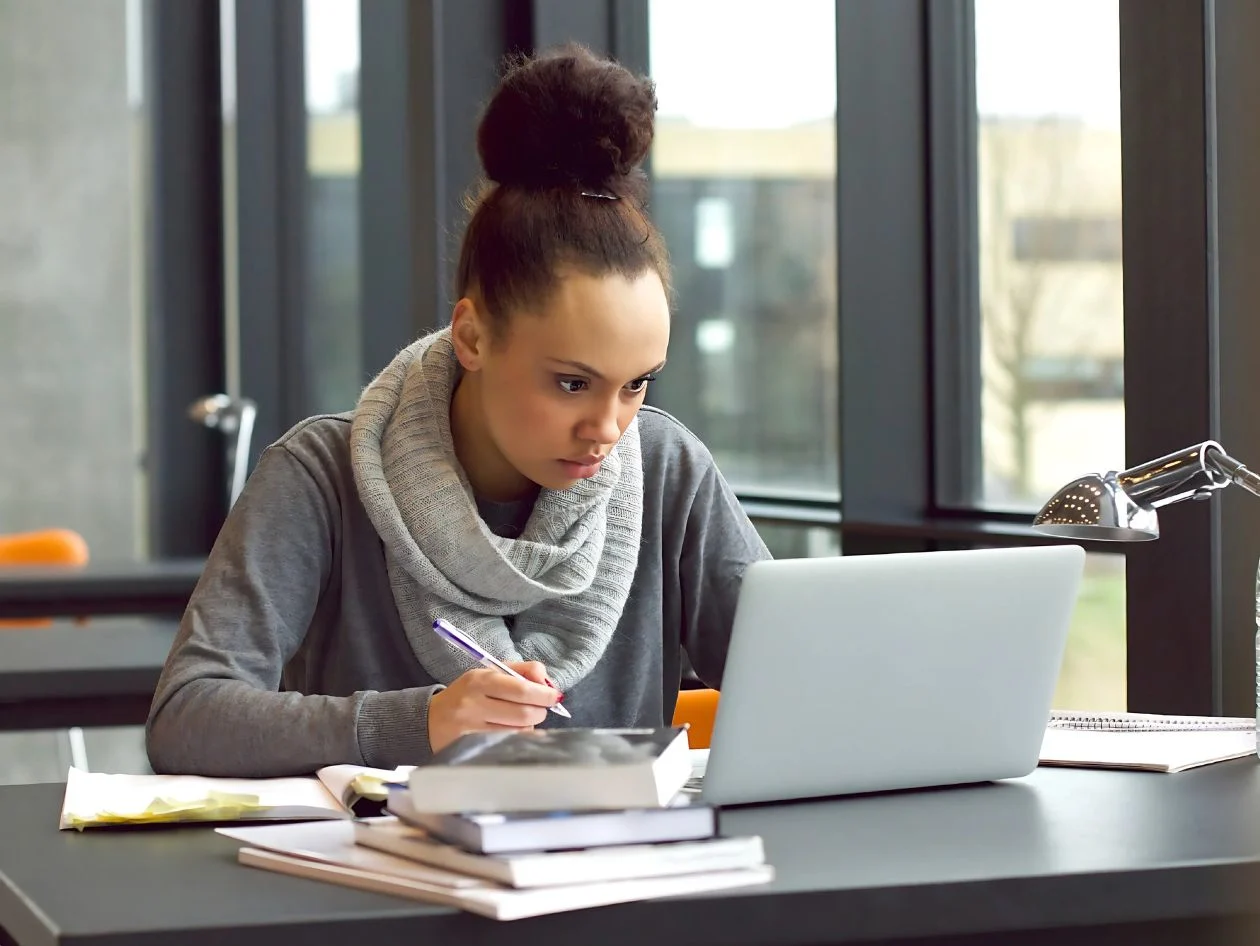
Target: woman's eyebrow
x,y
587,369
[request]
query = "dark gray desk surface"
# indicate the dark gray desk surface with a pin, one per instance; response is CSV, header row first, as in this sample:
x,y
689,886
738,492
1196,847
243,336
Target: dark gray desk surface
x,y
100,673
101,587
1062,856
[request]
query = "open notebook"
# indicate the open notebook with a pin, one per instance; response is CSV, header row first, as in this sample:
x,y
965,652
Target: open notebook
x,y
94,799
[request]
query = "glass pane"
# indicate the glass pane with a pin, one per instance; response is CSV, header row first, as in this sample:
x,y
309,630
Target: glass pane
x,y
72,265
744,192
1048,103
333,340
1093,675
792,541
72,186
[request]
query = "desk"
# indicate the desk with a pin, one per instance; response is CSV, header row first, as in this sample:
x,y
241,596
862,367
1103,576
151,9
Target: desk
x,y
161,587
100,674
1064,856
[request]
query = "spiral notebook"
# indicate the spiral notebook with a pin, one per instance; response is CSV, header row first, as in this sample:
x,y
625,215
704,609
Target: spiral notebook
x,y
1145,741
1147,722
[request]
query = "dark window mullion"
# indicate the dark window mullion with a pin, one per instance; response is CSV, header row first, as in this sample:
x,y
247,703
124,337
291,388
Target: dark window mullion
x,y
1174,612
271,212
630,36
184,237
426,70
955,249
398,261
558,21
881,201
1236,97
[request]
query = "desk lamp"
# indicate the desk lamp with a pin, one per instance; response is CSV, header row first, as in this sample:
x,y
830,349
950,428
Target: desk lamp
x,y
1121,506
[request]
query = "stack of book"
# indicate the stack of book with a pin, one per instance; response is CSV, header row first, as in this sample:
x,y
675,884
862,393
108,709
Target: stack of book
x,y
511,825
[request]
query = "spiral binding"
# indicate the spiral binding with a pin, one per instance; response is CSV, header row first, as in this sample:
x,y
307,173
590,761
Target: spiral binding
x,y
1144,722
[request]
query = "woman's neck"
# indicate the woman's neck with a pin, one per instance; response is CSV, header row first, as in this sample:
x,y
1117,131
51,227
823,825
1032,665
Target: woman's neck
x,y
492,477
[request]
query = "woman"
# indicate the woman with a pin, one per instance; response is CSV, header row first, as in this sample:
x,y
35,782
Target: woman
x,y
500,474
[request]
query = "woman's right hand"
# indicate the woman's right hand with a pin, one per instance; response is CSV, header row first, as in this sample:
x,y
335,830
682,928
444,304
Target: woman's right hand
x,y
483,699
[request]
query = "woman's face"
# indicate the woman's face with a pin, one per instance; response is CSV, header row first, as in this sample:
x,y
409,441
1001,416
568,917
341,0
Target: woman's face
x,y
555,390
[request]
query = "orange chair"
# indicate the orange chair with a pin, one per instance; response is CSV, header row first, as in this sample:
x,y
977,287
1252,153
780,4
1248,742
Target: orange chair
x,y
56,548
45,547
696,709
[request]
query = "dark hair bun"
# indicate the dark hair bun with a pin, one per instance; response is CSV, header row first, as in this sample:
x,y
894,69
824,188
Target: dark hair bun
x,y
567,117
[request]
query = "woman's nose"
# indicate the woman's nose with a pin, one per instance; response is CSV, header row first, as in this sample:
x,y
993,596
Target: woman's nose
x,y
602,426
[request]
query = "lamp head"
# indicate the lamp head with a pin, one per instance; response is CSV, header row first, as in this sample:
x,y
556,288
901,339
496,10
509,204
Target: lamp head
x,y
1097,507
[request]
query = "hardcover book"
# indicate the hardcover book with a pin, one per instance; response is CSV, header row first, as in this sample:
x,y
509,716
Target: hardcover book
x,y
554,770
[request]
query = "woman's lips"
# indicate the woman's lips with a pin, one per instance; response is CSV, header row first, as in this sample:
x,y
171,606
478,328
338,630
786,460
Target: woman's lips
x,y
582,468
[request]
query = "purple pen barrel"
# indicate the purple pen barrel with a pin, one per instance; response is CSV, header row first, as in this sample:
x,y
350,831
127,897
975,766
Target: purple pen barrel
x,y
458,639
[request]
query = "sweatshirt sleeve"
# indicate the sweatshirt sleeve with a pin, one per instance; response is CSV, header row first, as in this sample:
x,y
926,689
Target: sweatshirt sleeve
x,y
218,709
720,542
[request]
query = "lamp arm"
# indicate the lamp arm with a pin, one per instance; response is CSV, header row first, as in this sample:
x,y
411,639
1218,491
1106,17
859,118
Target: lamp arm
x,y
1193,473
1186,474
1238,474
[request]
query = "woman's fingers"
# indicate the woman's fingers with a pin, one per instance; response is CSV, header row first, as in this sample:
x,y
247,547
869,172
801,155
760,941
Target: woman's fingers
x,y
500,686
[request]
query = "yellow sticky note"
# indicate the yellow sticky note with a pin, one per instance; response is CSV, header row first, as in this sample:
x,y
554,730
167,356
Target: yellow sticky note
x,y
214,806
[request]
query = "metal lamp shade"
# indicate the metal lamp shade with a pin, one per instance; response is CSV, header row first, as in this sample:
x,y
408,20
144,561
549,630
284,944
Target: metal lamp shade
x,y
1097,507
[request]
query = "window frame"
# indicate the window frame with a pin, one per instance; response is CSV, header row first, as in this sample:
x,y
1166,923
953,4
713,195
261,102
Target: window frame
x,y
910,438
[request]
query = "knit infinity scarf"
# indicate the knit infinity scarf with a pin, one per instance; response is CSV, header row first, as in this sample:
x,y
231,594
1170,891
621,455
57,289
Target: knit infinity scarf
x,y
564,581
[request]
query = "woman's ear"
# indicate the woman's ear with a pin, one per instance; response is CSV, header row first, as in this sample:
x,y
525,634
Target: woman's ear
x,y
469,334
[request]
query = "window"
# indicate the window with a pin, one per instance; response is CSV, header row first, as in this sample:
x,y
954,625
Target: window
x,y
72,264
1051,377
1066,239
1051,294
744,192
333,337
1093,673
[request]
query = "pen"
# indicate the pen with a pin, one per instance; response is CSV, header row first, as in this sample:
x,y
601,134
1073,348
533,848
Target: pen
x,y
457,638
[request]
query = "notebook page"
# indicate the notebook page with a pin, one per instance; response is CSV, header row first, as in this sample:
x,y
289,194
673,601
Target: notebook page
x,y
338,778
99,798
699,765
1158,751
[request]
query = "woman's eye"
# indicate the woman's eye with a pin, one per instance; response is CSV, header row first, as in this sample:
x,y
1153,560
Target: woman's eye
x,y
572,385
639,384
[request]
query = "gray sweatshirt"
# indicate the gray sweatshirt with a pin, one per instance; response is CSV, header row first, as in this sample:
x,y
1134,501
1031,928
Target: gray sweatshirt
x,y
291,655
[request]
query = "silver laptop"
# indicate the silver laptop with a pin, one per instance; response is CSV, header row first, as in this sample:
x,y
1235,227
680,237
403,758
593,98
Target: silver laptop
x,y
878,672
